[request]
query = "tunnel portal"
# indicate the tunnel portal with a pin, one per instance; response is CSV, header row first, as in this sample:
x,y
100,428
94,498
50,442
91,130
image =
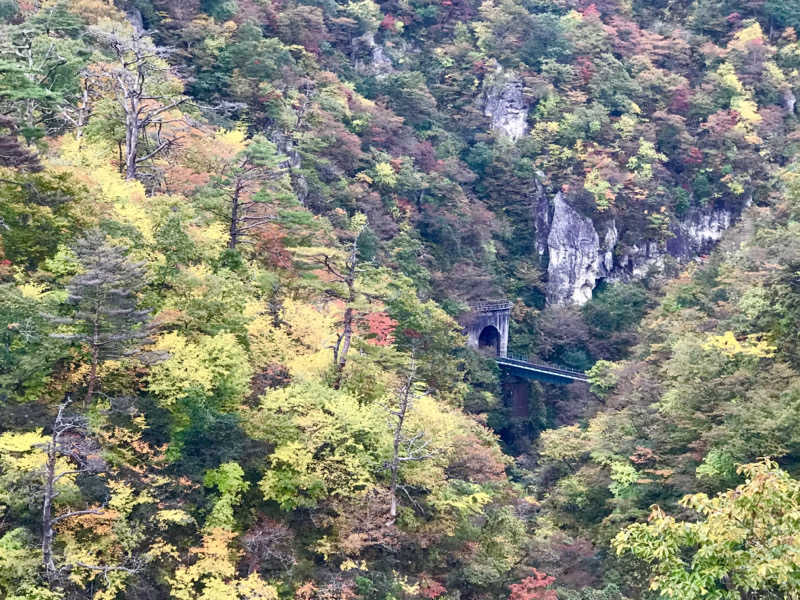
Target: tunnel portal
x,y
487,328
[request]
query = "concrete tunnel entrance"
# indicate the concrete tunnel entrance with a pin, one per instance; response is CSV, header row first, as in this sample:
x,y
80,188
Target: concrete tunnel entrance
x,y
486,327
489,340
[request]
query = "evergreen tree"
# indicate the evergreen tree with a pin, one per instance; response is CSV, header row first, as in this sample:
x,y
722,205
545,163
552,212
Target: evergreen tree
x,y
247,187
41,65
783,13
105,317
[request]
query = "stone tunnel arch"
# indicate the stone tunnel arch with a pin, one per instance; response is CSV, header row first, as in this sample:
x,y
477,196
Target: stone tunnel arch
x,y
489,340
487,326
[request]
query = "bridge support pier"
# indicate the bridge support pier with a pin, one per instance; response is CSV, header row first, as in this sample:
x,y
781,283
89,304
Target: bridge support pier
x,y
518,393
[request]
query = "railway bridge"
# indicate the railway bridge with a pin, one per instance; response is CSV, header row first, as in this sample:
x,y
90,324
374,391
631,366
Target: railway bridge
x,y
487,331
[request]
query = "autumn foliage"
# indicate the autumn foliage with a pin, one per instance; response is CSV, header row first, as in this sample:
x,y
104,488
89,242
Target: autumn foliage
x,y
533,587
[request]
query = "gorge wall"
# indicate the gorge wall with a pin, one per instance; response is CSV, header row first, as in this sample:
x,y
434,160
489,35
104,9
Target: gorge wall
x,y
580,252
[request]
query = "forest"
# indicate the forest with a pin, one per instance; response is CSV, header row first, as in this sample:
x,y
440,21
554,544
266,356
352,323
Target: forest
x,y
240,243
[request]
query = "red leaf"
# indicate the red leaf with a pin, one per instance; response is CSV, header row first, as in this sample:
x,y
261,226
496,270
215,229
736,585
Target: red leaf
x,y
533,588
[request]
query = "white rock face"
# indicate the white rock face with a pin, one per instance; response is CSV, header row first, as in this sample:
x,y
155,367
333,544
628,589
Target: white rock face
x,y
506,106
636,261
579,256
541,208
607,245
136,20
574,251
698,231
370,57
789,101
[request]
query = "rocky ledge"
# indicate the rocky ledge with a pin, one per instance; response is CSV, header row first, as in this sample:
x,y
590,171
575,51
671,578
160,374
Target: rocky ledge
x,y
580,252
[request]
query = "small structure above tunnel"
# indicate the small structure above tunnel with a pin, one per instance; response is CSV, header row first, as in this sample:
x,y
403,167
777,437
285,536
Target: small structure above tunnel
x,y
487,327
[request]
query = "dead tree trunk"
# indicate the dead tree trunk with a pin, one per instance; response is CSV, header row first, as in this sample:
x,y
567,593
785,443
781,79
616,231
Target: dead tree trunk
x,y
233,232
131,139
95,359
78,450
47,501
136,73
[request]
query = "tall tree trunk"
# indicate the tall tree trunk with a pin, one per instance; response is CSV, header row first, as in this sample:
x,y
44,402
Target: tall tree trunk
x,y
131,147
47,501
343,343
401,413
233,231
95,357
395,465
47,515
61,425
83,113
343,346
131,137
92,377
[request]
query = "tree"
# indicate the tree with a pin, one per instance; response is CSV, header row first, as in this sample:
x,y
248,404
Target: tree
x,y
431,333
533,588
347,276
12,153
203,378
327,445
212,576
745,543
145,92
42,473
27,355
228,478
105,314
41,61
343,268
253,180
783,13
404,448
269,545
38,213
69,439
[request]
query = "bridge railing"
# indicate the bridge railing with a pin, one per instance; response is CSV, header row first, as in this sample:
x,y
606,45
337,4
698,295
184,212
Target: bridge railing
x,y
526,361
491,305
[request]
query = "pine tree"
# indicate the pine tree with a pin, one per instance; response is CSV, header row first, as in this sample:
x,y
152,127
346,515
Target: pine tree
x,y
247,187
41,65
105,317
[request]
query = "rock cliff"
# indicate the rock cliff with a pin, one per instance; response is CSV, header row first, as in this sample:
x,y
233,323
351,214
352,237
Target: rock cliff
x,y
505,104
580,252
369,57
573,249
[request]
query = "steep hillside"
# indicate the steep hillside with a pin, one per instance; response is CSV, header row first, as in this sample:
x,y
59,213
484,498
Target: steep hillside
x,y
542,115
236,240
712,384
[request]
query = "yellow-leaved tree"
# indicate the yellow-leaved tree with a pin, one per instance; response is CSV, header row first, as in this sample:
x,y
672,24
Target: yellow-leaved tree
x,y
212,573
206,373
744,543
299,337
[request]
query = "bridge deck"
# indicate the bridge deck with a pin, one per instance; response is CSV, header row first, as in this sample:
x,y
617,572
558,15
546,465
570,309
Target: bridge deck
x,y
524,368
